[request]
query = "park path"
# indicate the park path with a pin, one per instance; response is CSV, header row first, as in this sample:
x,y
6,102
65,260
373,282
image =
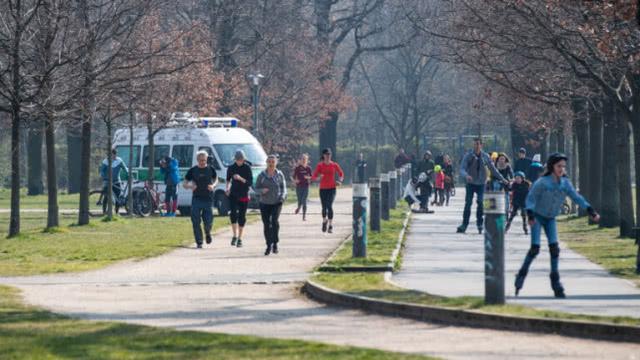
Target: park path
x,y
240,291
436,257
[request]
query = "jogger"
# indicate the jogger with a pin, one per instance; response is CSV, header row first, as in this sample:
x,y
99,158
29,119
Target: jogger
x,y
272,186
327,170
201,179
239,180
302,177
543,205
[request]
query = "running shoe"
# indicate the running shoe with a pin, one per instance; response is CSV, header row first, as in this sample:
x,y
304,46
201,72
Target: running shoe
x,y
209,239
239,243
324,226
330,231
234,240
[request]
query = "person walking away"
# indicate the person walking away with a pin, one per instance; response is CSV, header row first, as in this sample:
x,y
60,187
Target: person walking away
x,y
327,171
201,179
473,169
272,187
504,168
439,174
302,178
170,172
544,202
427,164
401,159
239,180
522,163
535,169
519,192
117,167
449,178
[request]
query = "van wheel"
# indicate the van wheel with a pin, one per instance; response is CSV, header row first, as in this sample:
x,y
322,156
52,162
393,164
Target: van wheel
x,y
184,210
222,204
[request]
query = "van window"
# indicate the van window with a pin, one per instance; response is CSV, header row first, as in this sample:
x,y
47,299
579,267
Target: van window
x,y
184,155
212,159
254,153
123,153
160,151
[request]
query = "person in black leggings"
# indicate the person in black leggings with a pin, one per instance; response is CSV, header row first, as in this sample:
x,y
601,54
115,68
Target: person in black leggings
x,y
239,180
328,170
272,187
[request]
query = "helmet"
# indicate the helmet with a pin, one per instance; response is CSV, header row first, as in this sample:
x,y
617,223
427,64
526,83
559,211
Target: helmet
x,y
536,158
519,173
437,168
555,158
494,156
422,177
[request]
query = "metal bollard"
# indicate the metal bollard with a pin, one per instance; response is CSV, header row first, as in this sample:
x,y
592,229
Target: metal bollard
x,y
637,233
393,189
494,203
374,203
359,220
361,169
384,196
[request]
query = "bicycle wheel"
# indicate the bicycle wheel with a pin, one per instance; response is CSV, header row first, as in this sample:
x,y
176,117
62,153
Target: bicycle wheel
x,y
97,203
144,204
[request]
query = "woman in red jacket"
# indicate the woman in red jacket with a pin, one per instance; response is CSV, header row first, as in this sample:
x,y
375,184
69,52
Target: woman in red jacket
x,y
327,171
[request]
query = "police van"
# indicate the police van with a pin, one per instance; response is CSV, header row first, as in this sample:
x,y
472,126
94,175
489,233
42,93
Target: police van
x,y
182,139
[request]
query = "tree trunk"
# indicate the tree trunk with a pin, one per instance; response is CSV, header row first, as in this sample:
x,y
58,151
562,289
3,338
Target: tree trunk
x,y
14,223
52,177
595,157
152,155
110,167
130,163
34,158
74,157
85,164
328,134
624,177
581,126
610,193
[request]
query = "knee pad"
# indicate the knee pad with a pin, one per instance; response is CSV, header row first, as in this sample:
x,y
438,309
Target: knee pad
x,y
534,251
554,250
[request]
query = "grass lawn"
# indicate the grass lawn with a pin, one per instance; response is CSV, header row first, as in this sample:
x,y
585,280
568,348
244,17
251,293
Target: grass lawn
x,y
31,333
79,248
373,285
65,201
602,246
380,245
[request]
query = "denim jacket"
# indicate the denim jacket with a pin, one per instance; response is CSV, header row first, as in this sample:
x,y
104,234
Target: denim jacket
x,y
547,196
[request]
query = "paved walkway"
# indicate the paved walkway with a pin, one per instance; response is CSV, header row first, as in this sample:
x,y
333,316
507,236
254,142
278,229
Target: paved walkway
x,y
439,261
240,291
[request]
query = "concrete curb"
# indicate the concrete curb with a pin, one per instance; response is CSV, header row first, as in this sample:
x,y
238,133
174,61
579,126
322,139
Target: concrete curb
x,y
390,266
573,328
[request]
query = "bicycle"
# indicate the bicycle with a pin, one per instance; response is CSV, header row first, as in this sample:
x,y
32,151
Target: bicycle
x,y
148,200
98,199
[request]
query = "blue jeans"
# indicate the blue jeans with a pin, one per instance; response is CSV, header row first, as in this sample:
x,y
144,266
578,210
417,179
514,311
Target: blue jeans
x,y
550,229
201,210
468,200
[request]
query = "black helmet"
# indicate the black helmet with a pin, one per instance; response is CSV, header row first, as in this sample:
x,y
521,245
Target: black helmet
x,y
554,159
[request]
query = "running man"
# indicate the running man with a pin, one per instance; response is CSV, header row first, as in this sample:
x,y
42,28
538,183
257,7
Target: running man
x,y
327,170
201,179
239,180
302,177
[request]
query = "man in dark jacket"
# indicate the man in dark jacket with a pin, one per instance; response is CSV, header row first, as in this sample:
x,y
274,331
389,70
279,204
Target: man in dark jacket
x,y
401,159
522,163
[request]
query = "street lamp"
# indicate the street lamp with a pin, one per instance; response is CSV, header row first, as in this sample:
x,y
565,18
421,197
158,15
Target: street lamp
x,y
254,82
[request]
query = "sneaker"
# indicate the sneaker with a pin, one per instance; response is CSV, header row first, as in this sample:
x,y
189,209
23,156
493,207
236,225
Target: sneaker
x,y
209,239
275,248
304,217
234,240
297,211
461,229
480,231
324,226
199,246
239,243
506,228
526,232
268,251
330,231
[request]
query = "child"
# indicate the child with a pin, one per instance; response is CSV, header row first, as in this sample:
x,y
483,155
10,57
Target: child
x,y
519,192
544,202
439,185
410,192
425,187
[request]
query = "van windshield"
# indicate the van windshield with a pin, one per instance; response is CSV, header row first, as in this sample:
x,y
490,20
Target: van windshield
x,y
253,152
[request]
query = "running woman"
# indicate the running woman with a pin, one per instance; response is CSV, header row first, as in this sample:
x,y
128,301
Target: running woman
x,y
328,169
302,177
272,186
543,205
239,180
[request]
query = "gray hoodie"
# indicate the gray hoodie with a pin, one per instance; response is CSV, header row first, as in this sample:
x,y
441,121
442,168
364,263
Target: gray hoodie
x,y
474,166
277,186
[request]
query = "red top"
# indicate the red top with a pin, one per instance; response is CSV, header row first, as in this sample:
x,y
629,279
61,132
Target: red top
x,y
300,174
328,172
440,180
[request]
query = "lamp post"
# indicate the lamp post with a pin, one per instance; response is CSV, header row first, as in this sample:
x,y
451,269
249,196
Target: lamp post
x,y
254,81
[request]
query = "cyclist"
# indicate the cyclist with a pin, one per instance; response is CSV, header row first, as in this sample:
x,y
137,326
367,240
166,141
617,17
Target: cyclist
x,y
327,170
201,179
169,169
239,180
117,166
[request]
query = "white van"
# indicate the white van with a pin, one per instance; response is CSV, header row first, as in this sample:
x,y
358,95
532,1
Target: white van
x,y
220,137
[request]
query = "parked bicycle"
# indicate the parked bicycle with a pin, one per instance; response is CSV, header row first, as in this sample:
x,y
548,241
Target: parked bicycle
x,y
98,200
148,199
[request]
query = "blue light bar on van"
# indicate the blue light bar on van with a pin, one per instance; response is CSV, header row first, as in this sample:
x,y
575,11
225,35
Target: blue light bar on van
x,y
234,122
